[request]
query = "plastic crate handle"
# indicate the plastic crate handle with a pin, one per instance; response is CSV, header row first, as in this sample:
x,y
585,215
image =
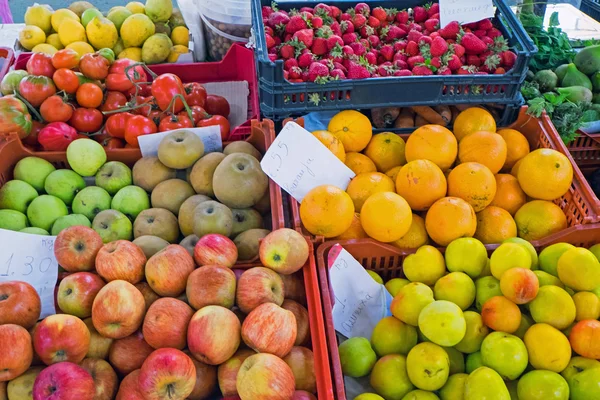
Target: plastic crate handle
x,y
259,36
514,24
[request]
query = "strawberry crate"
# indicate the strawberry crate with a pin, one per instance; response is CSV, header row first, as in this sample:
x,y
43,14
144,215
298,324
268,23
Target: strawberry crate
x,y
591,8
279,98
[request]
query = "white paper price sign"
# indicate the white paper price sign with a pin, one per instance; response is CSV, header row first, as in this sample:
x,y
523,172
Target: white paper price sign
x,y
465,11
298,162
210,135
30,258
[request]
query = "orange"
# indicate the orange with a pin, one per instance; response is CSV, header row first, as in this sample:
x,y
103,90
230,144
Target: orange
x,y
352,128
327,211
514,171
393,173
486,148
509,194
421,183
434,143
355,231
474,183
545,174
473,120
386,216
416,235
517,147
359,163
450,218
494,225
386,150
364,185
332,143
538,219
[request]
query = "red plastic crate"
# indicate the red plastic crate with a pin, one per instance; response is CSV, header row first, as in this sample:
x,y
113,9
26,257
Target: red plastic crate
x,y
238,65
9,57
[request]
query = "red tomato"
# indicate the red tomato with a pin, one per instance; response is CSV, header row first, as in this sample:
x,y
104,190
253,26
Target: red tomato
x,y
198,113
89,95
117,80
57,136
164,89
32,138
195,94
66,80
217,105
172,122
113,143
36,89
40,64
137,126
142,90
116,123
218,120
86,120
113,101
65,58
155,115
94,66
144,110
56,109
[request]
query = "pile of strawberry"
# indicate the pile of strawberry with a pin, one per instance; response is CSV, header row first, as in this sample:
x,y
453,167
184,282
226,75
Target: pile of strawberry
x,y
325,43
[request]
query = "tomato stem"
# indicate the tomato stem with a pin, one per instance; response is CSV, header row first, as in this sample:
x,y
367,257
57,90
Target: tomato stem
x,y
172,106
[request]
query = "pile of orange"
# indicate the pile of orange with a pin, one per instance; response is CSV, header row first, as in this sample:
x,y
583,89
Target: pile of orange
x,y
439,185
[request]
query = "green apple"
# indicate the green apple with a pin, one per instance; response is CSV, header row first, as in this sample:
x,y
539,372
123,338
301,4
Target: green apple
x,y
112,225
578,364
12,220
90,201
394,285
68,221
473,362
45,210
529,247
357,357
486,288
542,384
34,171
86,156
89,15
35,231
131,200
16,195
113,176
64,184
504,353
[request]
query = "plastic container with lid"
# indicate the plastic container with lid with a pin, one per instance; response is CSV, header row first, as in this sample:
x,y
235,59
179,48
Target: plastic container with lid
x,y
225,22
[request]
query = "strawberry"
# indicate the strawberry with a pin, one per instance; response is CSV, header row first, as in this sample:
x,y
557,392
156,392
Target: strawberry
x,y
436,62
305,36
307,9
337,74
287,37
348,51
412,48
400,64
286,51
386,69
270,41
480,33
488,41
316,22
491,62
305,59
394,33
414,36
269,31
472,26
346,27
319,46
266,11
307,15
444,71
403,72
346,17
365,43
358,21
472,44
412,61
273,50
357,71
473,60
273,57
402,17
414,26
380,13
387,51
499,71
296,23
500,45
494,33
337,65
458,50
295,73
425,40
438,47
335,12
450,31
323,8
400,55
358,48
422,70
433,35
373,22
286,75
485,24
334,41
349,38
508,59
290,63
433,9
371,58
432,25
336,29
278,18
362,8
400,45
420,14
435,16
374,40
366,31
454,62
316,70
467,70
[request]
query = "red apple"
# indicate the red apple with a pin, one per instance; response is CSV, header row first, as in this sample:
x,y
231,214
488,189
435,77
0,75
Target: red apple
x,y
16,354
215,249
105,378
294,287
206,380
129,388
19,304
129,353
228,371
302,363
118,310
213,334
167,271
270,329
99,345
149,295
61,337
121,260
257,286
303,395
284,250
211,285
76,293
265,376
166,323
167,374
75,248
64,381
302,321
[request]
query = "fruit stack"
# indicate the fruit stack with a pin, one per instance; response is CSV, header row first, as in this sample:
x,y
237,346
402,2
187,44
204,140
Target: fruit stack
x,y
515,325
438,185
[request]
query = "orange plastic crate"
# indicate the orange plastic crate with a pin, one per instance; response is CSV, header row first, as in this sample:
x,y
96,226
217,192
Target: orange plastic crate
x,y
585,151
387,261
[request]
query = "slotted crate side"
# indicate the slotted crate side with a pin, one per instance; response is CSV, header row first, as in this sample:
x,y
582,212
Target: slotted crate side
x,y
591,8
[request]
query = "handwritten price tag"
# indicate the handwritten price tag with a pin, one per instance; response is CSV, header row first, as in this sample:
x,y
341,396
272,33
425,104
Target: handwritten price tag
x,y
210,135
465,11
298,162
360,302
30,258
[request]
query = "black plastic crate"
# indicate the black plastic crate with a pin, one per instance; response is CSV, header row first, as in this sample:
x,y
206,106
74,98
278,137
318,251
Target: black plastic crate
x,y
280,98
591,8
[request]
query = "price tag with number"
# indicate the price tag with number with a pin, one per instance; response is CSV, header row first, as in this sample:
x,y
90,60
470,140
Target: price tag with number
x,y
298,162
30,258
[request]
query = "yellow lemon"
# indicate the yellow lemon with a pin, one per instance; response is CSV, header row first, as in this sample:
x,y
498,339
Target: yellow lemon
x,y
40,16
81,48
44,48
71,31
54,40
31,36
59,16
102,33
180,35
136,29
136,7
178,50
133,53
